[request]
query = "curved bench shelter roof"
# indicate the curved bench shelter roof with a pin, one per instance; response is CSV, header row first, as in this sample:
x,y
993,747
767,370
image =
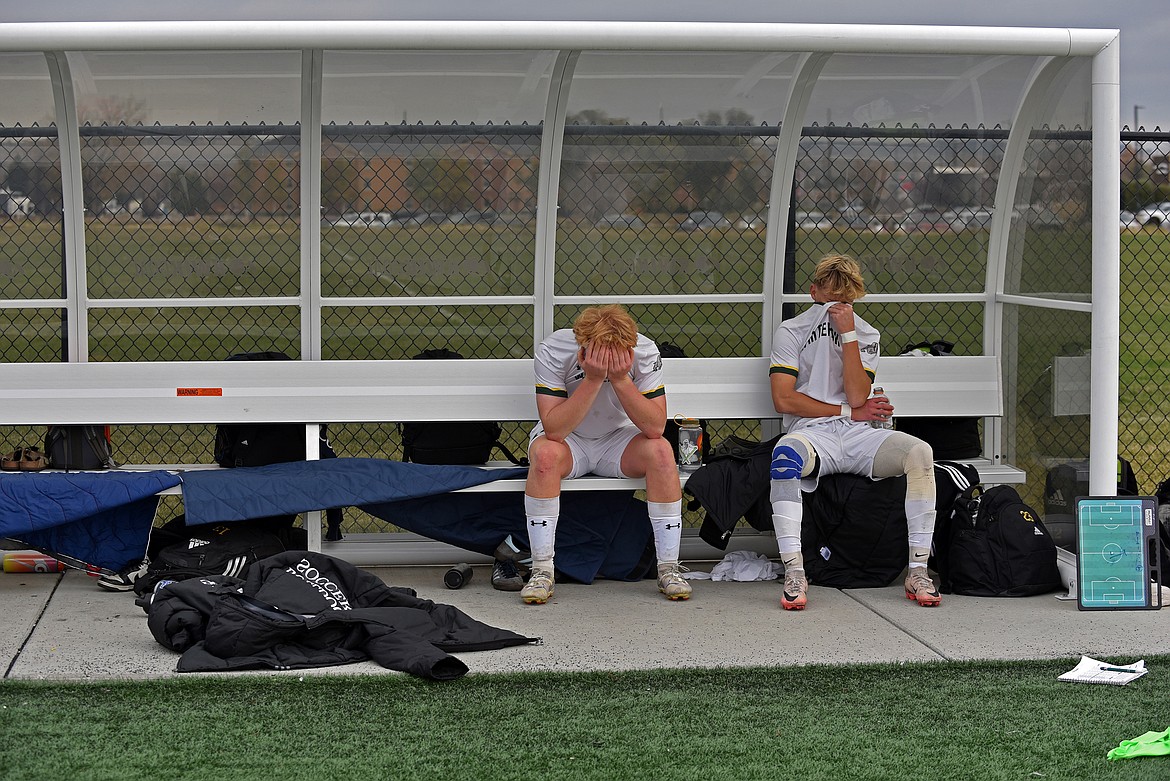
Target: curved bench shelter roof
x,y
1018,79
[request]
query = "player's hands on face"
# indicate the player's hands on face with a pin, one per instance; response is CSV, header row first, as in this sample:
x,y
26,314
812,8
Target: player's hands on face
x,y
594,360
841,315
621,360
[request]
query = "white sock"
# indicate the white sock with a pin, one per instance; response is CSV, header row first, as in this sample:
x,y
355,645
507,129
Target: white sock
x,y
920,518
666,521
542,515
786,518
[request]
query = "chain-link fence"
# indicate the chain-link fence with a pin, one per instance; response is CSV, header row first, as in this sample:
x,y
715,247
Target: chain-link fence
x,y
193,252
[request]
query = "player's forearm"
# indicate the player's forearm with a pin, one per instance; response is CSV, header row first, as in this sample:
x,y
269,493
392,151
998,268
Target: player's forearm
x,y
857,382
649,415
804,406
562,419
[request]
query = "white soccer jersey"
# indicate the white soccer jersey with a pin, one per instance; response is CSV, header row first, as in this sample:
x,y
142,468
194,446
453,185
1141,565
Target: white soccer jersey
x,y
809,348
559,374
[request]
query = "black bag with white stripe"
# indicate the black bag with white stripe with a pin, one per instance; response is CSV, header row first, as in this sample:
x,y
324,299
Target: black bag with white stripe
x,y
993,544
178,551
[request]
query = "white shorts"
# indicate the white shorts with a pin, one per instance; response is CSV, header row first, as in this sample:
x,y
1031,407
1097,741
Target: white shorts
x,y
844,447
600,456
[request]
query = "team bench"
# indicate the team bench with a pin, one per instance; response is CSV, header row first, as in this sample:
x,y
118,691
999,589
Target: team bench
x,y
313,392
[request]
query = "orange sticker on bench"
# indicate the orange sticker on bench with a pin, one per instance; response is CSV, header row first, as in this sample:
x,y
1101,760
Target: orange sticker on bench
x,y
198,391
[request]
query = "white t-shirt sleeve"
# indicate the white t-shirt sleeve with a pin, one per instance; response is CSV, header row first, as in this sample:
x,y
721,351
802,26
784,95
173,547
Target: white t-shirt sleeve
x,y
550,376
648,369
785,352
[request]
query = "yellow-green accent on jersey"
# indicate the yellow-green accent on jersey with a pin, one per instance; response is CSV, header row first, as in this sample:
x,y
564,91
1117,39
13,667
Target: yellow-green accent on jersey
x,y
654,393
545,390
779,368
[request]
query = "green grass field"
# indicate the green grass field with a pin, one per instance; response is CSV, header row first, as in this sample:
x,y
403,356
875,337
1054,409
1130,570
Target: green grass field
x,y
985,721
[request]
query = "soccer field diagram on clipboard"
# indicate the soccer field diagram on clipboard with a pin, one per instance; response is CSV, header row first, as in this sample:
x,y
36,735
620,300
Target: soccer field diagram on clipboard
x,y
1117,553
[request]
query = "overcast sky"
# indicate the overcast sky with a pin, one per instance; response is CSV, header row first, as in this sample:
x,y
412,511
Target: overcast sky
x,y
1144,24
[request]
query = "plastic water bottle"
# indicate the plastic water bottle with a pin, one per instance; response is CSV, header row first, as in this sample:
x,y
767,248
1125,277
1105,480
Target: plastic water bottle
x,y
888,422
31,561
690,444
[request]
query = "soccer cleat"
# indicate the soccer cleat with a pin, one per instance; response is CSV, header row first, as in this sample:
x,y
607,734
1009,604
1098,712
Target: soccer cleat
x,y
795,595
671,582
511,551
506,577
124,579
920,587
539,587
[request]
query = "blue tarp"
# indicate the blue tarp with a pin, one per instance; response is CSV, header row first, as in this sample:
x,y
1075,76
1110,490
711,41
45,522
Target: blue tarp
x,y
101,518
105,518
602,533
302,486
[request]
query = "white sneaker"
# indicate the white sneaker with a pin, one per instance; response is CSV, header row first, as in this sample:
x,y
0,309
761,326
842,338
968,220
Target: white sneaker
x,y
921,588
539,587
671,582
795,595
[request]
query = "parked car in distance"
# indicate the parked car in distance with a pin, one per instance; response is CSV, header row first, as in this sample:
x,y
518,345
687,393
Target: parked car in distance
x,y
1156,215
703,220
1128,220
969,218
812,221
751,222
857,221
427,218
621,221
473,217
917,221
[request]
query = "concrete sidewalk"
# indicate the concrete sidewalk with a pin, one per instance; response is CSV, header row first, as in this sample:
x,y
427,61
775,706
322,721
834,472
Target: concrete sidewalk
x,y
62,627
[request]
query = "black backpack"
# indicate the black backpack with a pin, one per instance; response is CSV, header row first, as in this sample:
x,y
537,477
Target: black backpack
x,y
854,531
451,442
178,551
260,444
952,481
79,447
998,547
668,350
950,437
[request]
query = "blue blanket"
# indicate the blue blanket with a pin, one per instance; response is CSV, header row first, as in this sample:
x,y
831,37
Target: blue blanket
x,y
102,518
602,533
302,486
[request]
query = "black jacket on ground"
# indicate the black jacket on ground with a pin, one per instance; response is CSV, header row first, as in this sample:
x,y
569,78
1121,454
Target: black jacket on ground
x,y
300,609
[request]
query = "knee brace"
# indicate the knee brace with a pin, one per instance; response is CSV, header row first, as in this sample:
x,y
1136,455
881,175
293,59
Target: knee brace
x,y
789,458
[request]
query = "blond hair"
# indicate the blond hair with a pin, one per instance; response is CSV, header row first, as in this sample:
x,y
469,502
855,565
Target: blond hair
x,y
839,277
609,325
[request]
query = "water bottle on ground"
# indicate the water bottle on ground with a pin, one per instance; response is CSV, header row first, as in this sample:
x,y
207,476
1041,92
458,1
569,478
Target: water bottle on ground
x,y
888,422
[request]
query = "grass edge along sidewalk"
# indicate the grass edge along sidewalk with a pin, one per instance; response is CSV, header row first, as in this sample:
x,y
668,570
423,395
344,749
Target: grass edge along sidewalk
x,y
929,721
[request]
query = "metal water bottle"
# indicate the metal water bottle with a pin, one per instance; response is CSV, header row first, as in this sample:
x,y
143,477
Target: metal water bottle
x,y
690,444
458,576
889,422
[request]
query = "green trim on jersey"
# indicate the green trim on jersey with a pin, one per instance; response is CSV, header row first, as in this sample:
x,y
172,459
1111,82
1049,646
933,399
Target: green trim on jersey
x,y
779,368
544,390
654,393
